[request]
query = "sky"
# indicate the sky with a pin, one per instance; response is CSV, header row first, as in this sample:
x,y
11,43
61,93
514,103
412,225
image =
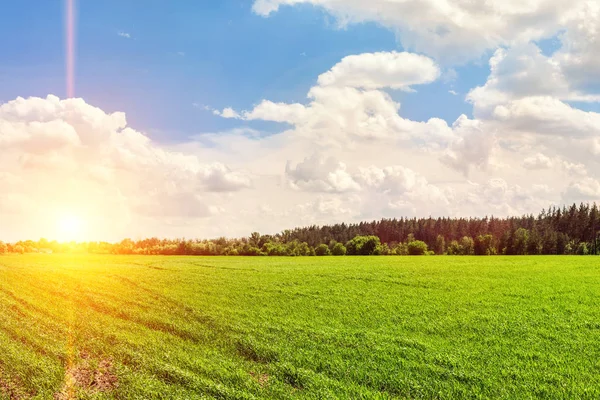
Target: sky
x,y
220,118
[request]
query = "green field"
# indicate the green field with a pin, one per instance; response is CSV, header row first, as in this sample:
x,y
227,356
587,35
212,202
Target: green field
x,y
314,327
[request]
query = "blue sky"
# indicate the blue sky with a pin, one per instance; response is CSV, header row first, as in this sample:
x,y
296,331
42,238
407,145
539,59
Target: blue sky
x,y
215,53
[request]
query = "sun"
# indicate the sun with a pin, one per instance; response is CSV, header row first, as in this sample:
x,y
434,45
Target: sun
x,y
70,227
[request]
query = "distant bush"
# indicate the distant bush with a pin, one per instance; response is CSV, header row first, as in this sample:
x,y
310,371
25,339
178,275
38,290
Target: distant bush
x,y
454,249
251,251
417,248
400,250
364,246
322,250
582,249
230,252
338,250
274,249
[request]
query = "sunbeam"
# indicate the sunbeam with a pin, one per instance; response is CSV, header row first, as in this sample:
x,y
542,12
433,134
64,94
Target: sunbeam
x,y
70,56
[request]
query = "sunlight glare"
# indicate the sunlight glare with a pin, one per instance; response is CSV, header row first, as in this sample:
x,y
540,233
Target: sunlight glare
x,y
70,227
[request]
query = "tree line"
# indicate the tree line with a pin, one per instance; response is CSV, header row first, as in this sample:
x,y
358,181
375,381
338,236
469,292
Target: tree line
x,y
566,230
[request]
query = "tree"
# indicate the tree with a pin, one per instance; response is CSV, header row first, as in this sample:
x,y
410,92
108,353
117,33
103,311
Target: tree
x,y
338,250
322,250
364,245
254,239
384,249
230,251
583,249
417,248
467,246
520,241
401,249
250,250
484,245
303,249
535,243
274,249
440,245
454,248
125,247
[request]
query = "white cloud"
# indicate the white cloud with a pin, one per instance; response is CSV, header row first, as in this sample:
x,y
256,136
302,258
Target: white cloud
x,y
321,175
351,140
501,199
66,153
344,105
124,35
381,70
519,73
577,169
453,30
276,112
547,116
472,146
579,56
227,112
538,161
585,189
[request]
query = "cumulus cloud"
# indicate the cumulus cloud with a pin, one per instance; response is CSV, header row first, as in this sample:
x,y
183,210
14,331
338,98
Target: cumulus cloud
x,y
395,183
395,180
472,146
62,152
518,74
577,169
362,146
579,56
452,30
227,112
381,70
586,189
547,116
347,106
498,197
538,161
321,174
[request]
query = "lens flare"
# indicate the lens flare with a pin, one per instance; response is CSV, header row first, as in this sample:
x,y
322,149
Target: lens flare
x,y
70,56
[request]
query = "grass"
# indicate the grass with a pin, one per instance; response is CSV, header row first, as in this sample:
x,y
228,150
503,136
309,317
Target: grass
x,y
147,327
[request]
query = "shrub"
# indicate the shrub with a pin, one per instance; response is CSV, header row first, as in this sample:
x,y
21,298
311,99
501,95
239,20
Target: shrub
x,y
454,249
322,250
582,249
338,250
417,248
400,250
364,246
